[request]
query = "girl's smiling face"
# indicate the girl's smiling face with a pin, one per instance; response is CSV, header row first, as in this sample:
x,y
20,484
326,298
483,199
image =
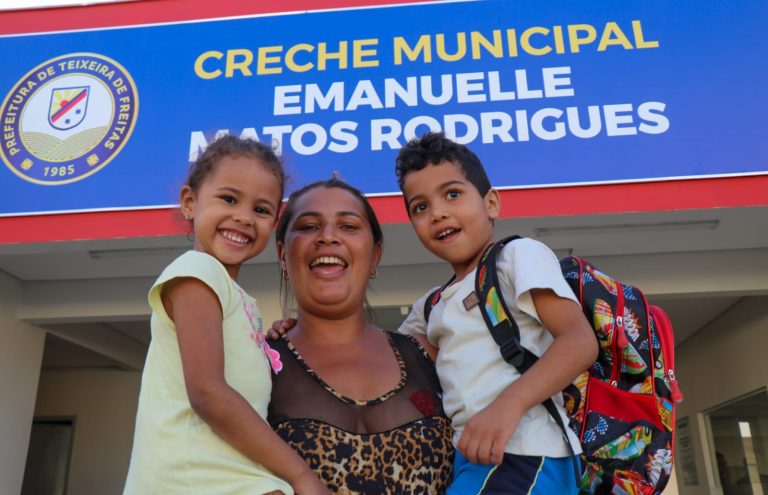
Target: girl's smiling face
x,y
233,210
329,252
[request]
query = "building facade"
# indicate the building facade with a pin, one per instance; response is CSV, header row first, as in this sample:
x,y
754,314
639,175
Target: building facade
x,y
629,135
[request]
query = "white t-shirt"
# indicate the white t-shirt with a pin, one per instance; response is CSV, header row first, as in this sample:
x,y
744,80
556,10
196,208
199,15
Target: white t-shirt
x,y
471,370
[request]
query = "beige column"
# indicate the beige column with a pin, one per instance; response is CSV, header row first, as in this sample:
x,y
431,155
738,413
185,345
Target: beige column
x,y
21,352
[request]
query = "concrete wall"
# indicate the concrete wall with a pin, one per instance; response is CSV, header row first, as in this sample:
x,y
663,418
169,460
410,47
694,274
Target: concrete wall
x,y
21,351
103,403
724,361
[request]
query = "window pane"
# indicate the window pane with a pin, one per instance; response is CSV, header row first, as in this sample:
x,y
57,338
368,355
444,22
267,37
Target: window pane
x,y
740,432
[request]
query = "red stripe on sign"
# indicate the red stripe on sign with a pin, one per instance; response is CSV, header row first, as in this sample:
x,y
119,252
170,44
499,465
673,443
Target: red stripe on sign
x,y
692,194
69,105
99,225
159,11
728,192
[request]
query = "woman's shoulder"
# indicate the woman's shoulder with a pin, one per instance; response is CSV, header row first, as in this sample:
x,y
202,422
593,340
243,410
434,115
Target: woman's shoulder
x,y
409,345
292,365
280,344
402,340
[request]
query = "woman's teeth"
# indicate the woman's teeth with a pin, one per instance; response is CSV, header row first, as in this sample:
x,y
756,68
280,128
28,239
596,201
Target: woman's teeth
x,y
327,260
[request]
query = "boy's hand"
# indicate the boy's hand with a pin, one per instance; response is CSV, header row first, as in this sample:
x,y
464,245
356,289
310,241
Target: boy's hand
x,y
573,350
280,327
486,435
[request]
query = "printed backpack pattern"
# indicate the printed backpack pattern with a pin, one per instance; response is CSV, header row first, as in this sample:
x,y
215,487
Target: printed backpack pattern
x,y
622,408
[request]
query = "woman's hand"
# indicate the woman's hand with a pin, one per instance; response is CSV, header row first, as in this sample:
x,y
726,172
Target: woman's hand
x,y
280,328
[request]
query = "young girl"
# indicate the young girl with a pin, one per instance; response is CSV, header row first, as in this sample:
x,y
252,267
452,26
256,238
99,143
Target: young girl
x,y
206,382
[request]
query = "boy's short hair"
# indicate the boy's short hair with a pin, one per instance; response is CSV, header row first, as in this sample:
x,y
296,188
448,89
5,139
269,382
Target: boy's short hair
x,y
433,148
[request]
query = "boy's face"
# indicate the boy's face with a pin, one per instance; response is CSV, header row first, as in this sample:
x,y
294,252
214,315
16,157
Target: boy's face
x,y
450,217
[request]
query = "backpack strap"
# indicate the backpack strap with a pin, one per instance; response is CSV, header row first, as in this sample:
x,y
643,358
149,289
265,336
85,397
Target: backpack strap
x,y
434,298
505,331
495,312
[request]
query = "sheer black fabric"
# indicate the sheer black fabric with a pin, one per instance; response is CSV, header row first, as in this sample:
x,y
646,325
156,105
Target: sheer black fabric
x,y
397,443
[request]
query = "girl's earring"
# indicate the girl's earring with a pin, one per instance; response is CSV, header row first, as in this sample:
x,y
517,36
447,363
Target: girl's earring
x,y
190,233
373,275
285,273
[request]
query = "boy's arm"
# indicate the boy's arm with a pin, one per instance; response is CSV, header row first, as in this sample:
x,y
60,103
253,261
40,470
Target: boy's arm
x,y
415,325
574,349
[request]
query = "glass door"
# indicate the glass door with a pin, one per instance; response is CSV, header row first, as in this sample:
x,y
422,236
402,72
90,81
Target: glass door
x,y
740,435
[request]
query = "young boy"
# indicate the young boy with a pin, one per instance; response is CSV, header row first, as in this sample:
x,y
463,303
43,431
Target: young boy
x,y
505,439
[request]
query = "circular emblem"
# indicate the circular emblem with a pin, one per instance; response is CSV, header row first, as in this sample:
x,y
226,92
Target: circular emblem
x,y
67,118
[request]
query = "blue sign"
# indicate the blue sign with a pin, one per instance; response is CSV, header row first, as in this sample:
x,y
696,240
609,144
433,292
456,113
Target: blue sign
x,y
546,94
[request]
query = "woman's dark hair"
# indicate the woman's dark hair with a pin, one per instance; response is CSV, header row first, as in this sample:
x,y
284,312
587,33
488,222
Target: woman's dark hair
x,y
233,146
289,211
333,183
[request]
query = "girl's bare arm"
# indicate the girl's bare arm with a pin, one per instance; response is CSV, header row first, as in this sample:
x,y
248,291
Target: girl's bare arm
x,y
196,311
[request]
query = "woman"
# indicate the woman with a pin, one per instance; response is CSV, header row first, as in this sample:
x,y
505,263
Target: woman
x,y
360,405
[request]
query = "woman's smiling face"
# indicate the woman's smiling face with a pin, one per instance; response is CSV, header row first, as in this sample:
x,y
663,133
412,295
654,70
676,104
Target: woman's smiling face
x,y
329,252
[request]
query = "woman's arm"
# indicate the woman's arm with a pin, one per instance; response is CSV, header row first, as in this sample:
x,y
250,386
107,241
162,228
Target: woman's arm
x,y
431,350
197,314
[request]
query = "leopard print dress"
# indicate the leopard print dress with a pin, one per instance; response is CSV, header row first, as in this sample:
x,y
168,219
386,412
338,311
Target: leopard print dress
x,y
399,443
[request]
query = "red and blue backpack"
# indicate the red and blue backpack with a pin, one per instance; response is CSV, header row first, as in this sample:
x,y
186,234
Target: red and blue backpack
x,y
623,407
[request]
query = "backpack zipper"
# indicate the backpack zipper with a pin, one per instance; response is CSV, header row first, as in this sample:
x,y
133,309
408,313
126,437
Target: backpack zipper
x,y
619,338
668,351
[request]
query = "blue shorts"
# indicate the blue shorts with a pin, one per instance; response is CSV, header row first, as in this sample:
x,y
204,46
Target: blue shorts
x,y
516,475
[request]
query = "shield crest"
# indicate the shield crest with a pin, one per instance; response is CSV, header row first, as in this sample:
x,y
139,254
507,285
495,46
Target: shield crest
x,y
68,107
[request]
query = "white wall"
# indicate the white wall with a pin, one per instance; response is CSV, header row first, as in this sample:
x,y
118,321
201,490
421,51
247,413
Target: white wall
x,y
103,403
21,351
725,360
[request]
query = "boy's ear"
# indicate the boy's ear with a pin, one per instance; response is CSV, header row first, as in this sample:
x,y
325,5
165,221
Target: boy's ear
x,y
187,201
493,203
